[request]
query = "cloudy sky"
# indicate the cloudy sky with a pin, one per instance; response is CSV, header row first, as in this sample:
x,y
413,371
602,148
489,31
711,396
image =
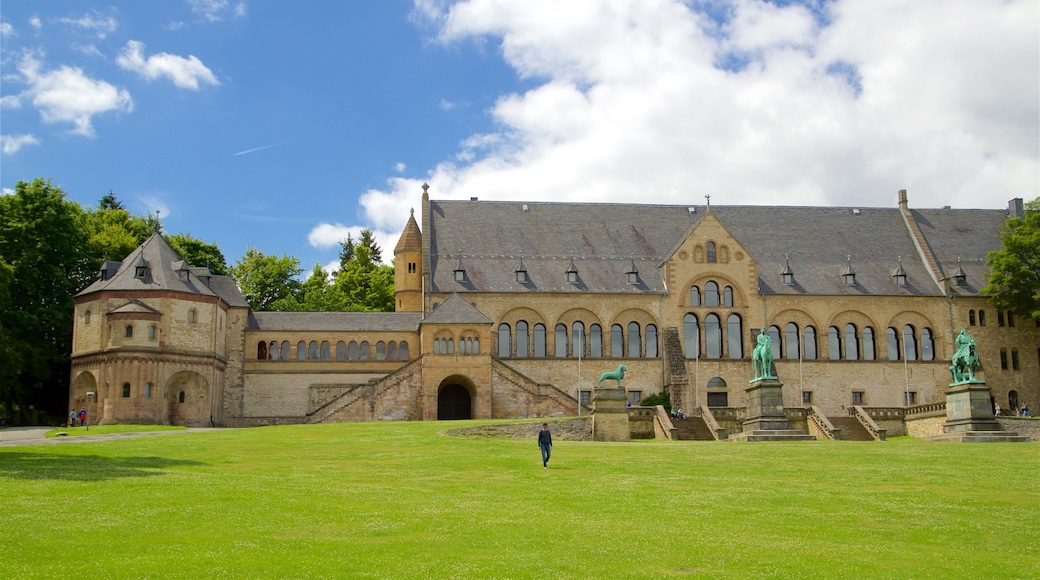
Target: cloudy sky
x,y
285,125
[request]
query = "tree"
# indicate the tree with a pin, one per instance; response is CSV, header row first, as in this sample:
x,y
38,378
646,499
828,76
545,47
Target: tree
x,y
1014,277
319,294
199,253
268,282
43,249
368,239
112,232
346,252
109,201
367,285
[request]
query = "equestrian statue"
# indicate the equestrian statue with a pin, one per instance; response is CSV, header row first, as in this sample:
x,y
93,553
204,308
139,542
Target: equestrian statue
x,y
762,357
965,359
616,375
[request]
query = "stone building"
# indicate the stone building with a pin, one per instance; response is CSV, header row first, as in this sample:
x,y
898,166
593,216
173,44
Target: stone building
x,y
514,309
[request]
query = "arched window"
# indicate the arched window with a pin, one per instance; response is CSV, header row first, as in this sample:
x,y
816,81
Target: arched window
x,y
151,332
851,343
711,294
261,350
927,348
727,296
691,336
363,349
695,296
909,343
476,345
791,339
324,350
617,341
774,334
560,340
1003,359
809,343
191,316
971,317
595,341
180,397
892,343
352,350
341,350
833,344
578,339
437,346
538,340
634,340
285,350
312,351
1013,400
86,317
148,390
712,336
129,331
273,350
505,341
735,336
391,350
1011,318
521,339
126,390
402,351
651,341
982,318
711,254
380,350
301,350
869,350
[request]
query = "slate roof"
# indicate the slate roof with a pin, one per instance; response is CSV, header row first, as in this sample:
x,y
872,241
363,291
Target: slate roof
x,y
455,310
411,237
606,239
134,306
336,321
162,262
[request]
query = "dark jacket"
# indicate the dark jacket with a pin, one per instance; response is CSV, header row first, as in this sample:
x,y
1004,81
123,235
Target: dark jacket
x,y
545,437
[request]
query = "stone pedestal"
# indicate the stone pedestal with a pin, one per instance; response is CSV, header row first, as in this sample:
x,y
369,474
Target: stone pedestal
x,y
968,408
610,415
765,407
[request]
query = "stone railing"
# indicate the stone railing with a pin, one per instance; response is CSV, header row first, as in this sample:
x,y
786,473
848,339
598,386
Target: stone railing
x,y
927,410
868,423
709,419
663,427
820,425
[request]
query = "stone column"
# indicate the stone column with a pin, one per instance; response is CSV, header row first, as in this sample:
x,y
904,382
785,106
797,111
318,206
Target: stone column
x,y
968,408
765,406
610,415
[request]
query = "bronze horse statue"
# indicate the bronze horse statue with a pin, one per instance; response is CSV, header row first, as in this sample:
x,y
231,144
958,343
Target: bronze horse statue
x,y
616,375
965,360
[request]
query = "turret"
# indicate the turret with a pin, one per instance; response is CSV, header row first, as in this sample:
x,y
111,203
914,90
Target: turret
x,y
408,268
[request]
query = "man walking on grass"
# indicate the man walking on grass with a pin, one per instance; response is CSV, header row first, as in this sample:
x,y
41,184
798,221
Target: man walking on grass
x,y
545,444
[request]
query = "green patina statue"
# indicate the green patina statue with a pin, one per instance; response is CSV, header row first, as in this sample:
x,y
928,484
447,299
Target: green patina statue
x,y
762,357
616,375
965,358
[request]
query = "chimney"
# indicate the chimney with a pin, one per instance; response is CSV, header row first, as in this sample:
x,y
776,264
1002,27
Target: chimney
x,y
902,199
1015,208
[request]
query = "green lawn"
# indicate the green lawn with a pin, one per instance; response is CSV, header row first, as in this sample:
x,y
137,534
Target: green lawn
x,y
106,429
400,500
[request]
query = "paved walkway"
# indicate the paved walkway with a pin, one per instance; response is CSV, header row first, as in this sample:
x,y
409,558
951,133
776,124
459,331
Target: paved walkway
x,y
20,436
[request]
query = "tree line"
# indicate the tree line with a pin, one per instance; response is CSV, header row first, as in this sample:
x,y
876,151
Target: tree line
x,y
51,248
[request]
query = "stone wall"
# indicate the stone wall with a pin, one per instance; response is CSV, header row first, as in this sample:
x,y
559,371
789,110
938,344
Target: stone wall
x,y
1025,426
515,395
641,422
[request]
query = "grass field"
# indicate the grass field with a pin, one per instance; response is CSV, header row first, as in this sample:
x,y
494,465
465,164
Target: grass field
x,y
107,429
401,500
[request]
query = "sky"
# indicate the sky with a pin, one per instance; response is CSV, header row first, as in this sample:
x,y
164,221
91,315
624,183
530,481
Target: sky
x,y
285,126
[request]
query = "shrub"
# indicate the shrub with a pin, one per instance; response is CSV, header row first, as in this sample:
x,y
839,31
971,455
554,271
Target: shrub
x,y
662,398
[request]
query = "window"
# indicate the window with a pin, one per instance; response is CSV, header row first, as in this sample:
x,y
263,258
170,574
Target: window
x,y
538,341
312,351
1011,318
910,398
691,336
560,340
617,341
711,294
578,339
402,351
695,296
869,352
810,343
285,350
982,318
301,350
352,350
791,339
971,317
718,399
634,397
129,333
712,336
272,351
364,351
909,343
1013,400
86,317
151,332
651,341
595,341
324,350
851,343
807,397
391,350
774,336
927,347
893,343
380,350
341,350
833,344
585,397
727,296
1003,359
634,340
521,339
191,316
1014,360
126,390
180,397
148,390
1000,318
711,253
857,397
411,267
505,341
261,350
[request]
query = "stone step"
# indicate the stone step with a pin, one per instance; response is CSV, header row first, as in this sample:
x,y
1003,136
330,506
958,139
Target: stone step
x,y
851,429
982,437
692,429
774,435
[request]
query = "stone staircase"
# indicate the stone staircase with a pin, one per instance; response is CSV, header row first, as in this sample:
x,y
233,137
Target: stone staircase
x,y
692,429
851,429
773,435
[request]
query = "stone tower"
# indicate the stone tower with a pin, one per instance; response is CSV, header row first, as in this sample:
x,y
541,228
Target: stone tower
x,y
408,268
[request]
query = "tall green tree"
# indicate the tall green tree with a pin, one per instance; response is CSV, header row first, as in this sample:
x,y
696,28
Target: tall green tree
x,y
199,253
346,251
43,245
113,232
268,282
1014,277
109,201
318,293
367,285
368,239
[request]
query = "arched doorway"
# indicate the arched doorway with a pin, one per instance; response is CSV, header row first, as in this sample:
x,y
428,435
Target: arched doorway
x,y
187,394
86,383
454,400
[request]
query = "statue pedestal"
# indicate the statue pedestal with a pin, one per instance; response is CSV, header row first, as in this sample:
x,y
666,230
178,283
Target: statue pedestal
x,y
968,408
610,415
765,407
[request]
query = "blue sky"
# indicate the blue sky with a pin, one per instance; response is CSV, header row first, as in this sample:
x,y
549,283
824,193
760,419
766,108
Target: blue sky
x,y
284,126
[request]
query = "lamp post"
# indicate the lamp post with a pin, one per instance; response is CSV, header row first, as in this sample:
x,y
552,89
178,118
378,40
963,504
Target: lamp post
x,y
90,397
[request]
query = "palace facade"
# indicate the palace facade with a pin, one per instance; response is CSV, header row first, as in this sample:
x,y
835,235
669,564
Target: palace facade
x,y
514,309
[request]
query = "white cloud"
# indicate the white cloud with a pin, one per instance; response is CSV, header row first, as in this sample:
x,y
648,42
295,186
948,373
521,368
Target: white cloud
x,y
67,95
400,167
839,103
6,30
240,10
93,22
11,102
446,105
6,191
325,235
217,10
34,21
175,25
153,203
185,73
12,143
